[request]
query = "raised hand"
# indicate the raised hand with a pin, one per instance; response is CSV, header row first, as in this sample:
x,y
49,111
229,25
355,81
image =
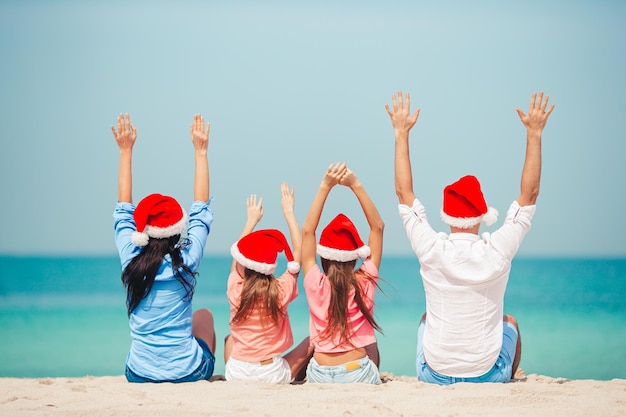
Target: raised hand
x,y
288,201
200,134
349,179
200,140
537,115
125,134
334,173
254,209
401,118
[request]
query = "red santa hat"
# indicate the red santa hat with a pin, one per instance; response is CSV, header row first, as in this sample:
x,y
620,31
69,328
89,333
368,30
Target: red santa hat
x,y
464,205
340,241
158,216
258,251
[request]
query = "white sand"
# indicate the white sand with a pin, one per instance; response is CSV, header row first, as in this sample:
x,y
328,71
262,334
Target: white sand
x,y
536,395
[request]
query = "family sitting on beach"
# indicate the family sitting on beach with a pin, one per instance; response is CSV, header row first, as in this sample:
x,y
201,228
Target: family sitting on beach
x,y
464,335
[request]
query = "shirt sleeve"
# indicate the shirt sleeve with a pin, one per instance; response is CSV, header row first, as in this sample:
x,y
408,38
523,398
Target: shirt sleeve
x,y
508,238
234,287
314,279
200,219
421,235
368,287
288,284
314,286
124,225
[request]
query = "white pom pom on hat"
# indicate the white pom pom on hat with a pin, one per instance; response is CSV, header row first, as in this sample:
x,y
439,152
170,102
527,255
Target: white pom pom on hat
x,y
259,250
140,238
158,216
340,241
464,205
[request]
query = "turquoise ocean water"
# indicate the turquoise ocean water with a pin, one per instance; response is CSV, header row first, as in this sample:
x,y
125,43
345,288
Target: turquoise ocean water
x,y
65,317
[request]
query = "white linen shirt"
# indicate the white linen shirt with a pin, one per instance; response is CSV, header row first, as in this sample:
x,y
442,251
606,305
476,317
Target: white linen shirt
x,y
465,277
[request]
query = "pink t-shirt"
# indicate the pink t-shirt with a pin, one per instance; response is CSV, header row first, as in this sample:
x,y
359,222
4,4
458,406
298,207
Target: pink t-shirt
x,y
252,342
317,288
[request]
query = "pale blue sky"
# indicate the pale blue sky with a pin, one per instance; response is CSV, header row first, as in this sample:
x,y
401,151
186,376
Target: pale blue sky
x,y
290,88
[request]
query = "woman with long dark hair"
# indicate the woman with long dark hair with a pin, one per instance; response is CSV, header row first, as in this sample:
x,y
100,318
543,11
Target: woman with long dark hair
x,y
159,268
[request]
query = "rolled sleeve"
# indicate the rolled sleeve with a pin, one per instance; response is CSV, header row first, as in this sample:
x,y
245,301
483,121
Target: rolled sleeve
x,y
508,238
200,219
124,225
421,235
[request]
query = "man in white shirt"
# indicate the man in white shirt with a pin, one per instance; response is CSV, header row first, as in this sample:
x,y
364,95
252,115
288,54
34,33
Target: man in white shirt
x,y
464,335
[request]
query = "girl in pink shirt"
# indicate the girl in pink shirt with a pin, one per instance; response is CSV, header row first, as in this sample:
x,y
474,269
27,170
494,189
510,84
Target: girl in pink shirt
x,y
259,324
341,299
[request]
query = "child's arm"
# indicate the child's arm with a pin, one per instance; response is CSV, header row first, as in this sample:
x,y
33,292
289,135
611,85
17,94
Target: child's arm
x,y
375,221
333,175
200,140
255,213
125,137
288,202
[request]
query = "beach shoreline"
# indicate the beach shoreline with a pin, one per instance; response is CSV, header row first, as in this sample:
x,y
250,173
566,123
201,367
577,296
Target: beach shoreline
x,y
535,395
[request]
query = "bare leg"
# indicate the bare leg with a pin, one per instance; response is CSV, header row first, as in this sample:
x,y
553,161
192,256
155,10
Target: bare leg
x,y
373,353
228,347
516,371
202,326
299,358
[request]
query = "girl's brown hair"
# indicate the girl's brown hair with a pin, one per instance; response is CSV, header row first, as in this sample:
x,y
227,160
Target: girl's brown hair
x,y
259,292
343,278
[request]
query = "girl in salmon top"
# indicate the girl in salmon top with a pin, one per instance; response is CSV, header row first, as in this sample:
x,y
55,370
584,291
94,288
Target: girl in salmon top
x,y
260,331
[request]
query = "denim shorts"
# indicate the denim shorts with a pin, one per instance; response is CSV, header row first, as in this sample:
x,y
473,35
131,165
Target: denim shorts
x,y
204,371
500,372
362,370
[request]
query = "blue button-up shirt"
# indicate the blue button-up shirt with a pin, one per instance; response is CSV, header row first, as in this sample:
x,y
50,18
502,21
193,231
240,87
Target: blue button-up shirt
x,y
163,347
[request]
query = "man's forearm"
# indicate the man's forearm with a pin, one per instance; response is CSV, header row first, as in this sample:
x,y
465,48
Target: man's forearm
x,y
402,169
531,173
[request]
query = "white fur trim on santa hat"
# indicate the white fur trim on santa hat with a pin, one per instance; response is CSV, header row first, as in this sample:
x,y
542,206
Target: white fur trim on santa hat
x,y
467,222
333,254
163,232
142,238
260,267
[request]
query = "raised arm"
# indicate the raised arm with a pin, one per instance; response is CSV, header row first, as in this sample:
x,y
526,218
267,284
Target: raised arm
x,y
254,210
288,203
331,178
534,121
200,140
402,121
375,221
125,136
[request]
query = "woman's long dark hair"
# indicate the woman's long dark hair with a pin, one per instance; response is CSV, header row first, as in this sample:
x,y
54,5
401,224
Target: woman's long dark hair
x,y
343,278
260,292
139,274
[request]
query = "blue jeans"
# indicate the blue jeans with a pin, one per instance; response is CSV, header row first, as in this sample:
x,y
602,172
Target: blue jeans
x,y
500,372
204,371
362,370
